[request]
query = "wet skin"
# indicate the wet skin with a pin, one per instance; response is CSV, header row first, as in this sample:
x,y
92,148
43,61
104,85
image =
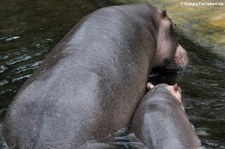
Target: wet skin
x,y
91,82
160,121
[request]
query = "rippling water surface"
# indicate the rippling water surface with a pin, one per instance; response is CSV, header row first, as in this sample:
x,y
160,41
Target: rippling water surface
x,y
204,93
30,29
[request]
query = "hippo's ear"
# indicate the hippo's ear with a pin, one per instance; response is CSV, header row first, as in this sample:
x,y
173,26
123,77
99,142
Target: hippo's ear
x,y
177,88
150,86
164,13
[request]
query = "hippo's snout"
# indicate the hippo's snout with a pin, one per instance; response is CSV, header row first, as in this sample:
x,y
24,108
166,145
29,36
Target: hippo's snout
x,y
180,60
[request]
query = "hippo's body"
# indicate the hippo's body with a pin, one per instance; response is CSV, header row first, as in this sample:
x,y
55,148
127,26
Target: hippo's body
x,y
91,82
160,121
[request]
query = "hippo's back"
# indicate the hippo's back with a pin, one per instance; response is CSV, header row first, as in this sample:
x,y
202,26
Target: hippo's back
x,y
80,91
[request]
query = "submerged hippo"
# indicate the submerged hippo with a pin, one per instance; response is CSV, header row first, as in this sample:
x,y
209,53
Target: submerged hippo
x,y
161,122
91,82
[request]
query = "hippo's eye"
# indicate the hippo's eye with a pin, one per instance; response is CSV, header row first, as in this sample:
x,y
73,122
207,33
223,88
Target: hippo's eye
x,y
173,23
172,29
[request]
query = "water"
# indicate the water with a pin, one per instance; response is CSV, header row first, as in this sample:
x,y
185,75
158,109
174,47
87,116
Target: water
x,y
122,139
30,29
203,88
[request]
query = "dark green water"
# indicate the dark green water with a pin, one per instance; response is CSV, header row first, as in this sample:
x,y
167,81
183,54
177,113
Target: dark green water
x,y
203,89
30,29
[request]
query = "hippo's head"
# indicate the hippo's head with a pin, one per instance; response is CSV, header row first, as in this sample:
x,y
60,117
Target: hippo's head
x,y
165,90
169,53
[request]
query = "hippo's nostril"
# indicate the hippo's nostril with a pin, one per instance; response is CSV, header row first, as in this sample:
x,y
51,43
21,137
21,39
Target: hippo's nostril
x,y
166,61
164,13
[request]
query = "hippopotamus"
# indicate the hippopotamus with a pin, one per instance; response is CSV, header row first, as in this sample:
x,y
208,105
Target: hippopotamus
x,y
160,121
91,82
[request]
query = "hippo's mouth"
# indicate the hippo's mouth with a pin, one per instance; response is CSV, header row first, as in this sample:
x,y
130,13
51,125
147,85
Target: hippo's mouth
x,y
164,75
176,64
169,73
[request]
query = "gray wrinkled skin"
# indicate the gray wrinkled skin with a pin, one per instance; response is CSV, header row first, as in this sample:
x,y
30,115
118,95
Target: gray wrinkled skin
x,y
91,82
161,123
